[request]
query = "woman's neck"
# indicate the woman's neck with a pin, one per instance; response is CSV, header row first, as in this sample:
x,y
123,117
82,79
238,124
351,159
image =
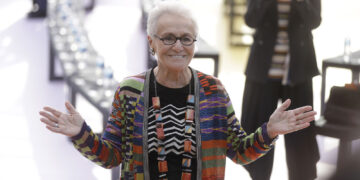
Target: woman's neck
x,y
172,79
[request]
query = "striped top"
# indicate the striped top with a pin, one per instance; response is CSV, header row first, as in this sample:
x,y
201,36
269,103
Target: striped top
x,y
174,125
173,104
280,60
220,133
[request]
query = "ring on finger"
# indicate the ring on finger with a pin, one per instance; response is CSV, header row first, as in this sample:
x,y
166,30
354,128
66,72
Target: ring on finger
x,y
56,125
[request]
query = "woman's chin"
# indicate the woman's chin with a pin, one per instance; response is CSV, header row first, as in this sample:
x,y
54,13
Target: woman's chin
x,y
177,67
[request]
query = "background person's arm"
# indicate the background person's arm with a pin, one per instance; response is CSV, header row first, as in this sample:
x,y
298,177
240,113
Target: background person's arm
x,y
309,12
256,10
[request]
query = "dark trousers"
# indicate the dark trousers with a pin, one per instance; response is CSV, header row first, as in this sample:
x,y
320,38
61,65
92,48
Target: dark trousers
x,y
259,102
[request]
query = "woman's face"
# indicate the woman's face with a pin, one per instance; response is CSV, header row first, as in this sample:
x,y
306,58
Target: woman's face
x,y
174,57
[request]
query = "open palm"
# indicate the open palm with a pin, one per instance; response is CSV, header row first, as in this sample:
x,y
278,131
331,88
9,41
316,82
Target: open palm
x,y
56,121
283,122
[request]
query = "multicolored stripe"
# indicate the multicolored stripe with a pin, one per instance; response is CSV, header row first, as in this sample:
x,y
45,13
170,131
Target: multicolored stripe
x,y
221,133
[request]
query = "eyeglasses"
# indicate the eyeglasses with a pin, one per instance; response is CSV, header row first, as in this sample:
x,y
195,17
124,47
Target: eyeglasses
x,y
171,39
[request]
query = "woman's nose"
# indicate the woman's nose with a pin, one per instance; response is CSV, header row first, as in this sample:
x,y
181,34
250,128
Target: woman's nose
x,y
178,46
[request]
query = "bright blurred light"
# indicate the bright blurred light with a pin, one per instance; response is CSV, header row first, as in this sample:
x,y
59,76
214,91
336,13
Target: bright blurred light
x,y
205,65
12,84
11,13
6,41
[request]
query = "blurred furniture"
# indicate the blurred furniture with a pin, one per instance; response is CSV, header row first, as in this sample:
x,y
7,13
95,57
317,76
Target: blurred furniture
x,y
52,60
338,62
346,134
83,68
76,8
38,9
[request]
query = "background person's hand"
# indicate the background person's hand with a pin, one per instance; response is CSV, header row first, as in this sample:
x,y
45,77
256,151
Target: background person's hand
x,y
63,123
283,122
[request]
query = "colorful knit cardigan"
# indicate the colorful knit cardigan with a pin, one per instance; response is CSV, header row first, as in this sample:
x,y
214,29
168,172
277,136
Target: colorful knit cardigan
x,y
220,133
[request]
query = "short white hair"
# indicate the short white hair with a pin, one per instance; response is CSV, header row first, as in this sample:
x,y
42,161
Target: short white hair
x,y
168,7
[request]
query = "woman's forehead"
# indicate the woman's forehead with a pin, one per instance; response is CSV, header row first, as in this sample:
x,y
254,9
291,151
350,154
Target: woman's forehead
x,y
175,24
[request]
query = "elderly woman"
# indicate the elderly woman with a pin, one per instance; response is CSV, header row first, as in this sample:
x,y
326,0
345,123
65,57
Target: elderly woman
x,y
173,122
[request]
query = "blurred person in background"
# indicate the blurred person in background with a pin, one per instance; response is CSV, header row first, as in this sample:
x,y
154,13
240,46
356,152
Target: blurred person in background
x,y
281,66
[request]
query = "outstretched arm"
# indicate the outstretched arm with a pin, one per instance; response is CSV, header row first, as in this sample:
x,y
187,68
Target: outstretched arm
x,y
309,11
104,151
256,10
244,148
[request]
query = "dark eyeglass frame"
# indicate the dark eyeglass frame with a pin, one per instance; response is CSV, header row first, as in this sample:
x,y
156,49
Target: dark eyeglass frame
x,y
176,39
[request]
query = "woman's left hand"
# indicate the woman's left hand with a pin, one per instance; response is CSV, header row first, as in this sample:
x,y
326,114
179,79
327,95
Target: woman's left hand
x,y
283,122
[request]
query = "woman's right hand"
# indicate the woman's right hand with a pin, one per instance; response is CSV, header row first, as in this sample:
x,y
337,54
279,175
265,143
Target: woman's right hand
x,y
56,121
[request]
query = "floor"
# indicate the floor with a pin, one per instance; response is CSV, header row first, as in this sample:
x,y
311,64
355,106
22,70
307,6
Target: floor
x,y
29,151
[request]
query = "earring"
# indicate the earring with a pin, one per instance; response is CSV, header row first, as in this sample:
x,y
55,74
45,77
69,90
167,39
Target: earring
x,y
152,51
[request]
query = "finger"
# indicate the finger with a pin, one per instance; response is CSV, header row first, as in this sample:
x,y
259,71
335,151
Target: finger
x,y
47,122
53,129
55,112
302,126
302,109
49,116
284,105
305,115
70,107
306,120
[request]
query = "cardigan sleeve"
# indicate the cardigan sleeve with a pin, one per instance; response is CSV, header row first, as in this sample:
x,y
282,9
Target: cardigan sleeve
x,y
243,148
106,150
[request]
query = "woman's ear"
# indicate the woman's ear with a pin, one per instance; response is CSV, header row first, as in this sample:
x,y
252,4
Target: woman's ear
x,y
152,50
150,41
